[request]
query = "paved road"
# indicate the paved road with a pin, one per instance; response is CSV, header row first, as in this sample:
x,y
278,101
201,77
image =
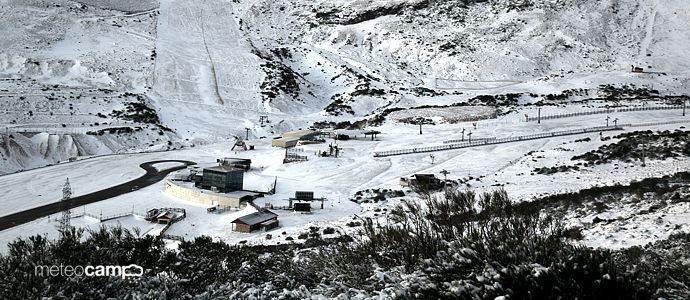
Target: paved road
x,y
152,176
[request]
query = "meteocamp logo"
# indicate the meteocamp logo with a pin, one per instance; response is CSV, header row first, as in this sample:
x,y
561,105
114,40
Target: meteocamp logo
x,y
89,271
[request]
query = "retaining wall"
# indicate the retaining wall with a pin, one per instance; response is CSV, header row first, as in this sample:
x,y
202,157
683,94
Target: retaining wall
x,y
199,196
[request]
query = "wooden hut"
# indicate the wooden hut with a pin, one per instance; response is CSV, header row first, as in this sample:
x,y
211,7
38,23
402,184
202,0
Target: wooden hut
x,y
263,219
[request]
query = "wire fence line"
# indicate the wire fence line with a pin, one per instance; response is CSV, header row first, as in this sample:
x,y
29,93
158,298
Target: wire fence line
x,y
467,139
602,111
493,141
659,123
490,141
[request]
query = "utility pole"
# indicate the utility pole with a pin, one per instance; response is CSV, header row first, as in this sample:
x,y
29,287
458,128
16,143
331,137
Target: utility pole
x,y
539,116
420,127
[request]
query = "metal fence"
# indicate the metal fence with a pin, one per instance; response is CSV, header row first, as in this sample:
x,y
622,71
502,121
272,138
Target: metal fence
x,y
102,218
492,141
602,111
659,123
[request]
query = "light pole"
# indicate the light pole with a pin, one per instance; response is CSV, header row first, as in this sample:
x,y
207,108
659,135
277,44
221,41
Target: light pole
x,y
607,121
469,136
615,122
539,116
463,135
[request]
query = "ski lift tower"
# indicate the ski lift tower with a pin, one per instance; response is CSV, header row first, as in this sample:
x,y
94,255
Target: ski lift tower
x,y
239,143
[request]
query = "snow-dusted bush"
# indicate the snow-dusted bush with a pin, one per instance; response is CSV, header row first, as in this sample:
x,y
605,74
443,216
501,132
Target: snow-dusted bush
x,y
456,246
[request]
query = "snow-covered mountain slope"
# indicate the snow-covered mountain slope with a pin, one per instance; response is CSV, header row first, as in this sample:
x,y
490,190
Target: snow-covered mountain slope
x,y
210,68
203,58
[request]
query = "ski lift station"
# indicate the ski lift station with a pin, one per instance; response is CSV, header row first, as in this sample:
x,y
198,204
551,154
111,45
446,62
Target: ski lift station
x,y
222,185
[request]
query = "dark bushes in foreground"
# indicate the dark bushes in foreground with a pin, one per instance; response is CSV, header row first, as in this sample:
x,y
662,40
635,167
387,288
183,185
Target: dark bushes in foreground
x,y
455,246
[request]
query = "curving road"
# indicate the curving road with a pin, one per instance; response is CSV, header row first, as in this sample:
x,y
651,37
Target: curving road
x,y
152,176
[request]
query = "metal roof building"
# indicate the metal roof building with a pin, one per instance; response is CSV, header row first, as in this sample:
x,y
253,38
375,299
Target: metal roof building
x,y
285,142
301,134
263,219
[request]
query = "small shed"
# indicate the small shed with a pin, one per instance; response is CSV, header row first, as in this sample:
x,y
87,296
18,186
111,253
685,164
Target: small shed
x,y
302,206
165,218
419,180
262,219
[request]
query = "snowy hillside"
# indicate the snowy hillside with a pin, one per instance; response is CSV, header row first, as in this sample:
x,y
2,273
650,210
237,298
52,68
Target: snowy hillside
x,y
210,68
461,149
398,45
